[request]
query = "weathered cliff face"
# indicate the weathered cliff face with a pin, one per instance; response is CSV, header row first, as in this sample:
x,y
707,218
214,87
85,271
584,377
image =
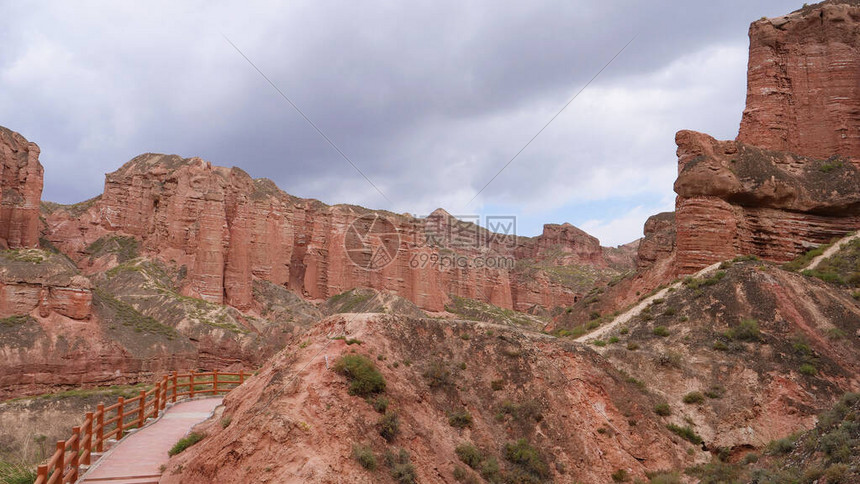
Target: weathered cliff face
x,y
59,328
20,191
790,180
659,240
227,230
803,93
32,279
736,199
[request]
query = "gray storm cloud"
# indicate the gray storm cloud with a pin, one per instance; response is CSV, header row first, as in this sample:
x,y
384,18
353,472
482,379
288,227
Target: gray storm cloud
x,y
429,99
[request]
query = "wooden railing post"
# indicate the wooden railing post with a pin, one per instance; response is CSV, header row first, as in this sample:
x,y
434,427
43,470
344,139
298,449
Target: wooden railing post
x,y
76,453
157,402
175,387
241,376
120,415
191,384
164,392
42,473
61,461
100,427
88,437
141,411
214,382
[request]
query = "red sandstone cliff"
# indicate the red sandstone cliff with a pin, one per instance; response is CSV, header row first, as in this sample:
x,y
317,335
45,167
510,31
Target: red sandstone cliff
x,y
790,181
803,94
227,229
20,190
738,199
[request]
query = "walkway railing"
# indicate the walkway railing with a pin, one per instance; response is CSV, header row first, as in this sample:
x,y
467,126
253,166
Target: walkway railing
x,y
113,421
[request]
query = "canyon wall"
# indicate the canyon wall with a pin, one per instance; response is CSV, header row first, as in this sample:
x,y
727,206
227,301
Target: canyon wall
x,y
20,191
227,229
803,94
789,182
736,199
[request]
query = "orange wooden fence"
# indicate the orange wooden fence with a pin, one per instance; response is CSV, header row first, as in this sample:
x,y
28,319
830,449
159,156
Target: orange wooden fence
x,y
125,414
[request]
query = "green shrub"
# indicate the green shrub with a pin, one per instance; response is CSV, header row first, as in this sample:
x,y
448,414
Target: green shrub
x,y
401,467
437,375
521,412
807,369
694,398
663,409
805,259
750,458
626,330
389,426
837,474
497,385
490,469
715,392
364,456
599,342
661,331
460,419
720,346
185,442
461,475
632,346
686,433
781,446
664,477
694,283
747,330
16,474
380,404
613,339
620,475
364,378
526,458
469,455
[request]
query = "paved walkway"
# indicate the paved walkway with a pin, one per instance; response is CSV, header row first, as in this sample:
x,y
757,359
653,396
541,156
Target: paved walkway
x,y
138,458
832,250
625,317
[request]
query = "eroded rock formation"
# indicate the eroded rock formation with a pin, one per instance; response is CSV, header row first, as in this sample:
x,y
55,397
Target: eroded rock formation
x,y
227,229
35,279
803,94
20,191
738,199
659,240
790,181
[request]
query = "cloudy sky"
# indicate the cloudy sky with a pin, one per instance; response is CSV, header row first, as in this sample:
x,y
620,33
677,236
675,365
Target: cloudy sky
x,y
429,99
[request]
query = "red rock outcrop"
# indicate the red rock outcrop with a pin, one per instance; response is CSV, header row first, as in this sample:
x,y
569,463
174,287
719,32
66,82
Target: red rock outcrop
x,y
803,87
297,422
659,240
20,191
37,280
227,229
789,182
736,199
